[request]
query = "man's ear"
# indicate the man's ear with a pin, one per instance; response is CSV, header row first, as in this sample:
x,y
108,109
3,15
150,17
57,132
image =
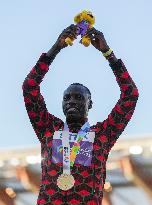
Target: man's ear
x,y
90,104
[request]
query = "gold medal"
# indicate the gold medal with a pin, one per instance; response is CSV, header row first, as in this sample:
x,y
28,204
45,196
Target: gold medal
x,y
65,181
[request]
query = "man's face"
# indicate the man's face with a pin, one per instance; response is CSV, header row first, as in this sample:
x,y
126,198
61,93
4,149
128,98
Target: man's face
x,y
76,103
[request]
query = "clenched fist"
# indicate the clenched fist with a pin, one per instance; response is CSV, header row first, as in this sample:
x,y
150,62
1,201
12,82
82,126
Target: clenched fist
x,y
70,31
97,39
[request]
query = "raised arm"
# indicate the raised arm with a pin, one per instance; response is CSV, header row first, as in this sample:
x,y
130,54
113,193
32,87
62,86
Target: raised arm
x,y
111,128
41,120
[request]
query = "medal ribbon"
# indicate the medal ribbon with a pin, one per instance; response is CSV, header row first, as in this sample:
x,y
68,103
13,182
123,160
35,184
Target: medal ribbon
x,y
68,159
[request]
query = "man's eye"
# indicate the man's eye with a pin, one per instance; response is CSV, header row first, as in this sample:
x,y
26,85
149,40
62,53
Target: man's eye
x,y
79,97
66,97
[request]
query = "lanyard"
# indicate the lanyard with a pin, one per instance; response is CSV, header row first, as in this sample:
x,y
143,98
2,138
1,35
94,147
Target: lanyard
x,y
68,159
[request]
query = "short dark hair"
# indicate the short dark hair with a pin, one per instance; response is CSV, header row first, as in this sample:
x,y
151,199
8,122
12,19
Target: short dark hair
x,y
87,89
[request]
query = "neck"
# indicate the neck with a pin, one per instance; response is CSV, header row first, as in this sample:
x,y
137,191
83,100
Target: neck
x,y
75,126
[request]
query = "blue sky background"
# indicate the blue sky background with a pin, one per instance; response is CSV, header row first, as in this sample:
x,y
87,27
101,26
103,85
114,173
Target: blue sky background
x,y
28,28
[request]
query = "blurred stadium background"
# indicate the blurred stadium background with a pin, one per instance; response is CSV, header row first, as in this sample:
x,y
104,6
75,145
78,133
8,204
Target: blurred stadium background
x,y
128,181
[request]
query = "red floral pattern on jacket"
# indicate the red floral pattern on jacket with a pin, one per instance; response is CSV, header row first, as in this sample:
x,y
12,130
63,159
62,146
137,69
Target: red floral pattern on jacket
x,y
89,180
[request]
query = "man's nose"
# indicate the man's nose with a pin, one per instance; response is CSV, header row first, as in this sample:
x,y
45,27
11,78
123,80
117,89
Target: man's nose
x,y
72,103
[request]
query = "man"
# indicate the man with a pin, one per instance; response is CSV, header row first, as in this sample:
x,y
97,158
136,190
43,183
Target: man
x,y
89,145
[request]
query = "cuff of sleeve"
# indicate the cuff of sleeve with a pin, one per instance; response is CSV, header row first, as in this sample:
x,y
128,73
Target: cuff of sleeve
x,y
44,58
117,64
118,67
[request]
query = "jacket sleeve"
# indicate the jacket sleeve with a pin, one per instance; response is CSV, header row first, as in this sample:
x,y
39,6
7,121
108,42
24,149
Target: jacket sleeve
x,y
112,127
41,120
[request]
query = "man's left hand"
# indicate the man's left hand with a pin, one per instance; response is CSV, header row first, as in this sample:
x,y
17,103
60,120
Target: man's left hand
x,y
97,39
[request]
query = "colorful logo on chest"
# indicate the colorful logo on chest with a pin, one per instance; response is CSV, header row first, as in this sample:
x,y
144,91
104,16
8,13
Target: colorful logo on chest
x,y
84,155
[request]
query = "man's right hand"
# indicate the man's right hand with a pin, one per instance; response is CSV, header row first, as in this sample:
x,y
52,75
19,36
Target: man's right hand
x,y
70,32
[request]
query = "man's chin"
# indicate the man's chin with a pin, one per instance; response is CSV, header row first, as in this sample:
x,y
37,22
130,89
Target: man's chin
x,y
72,117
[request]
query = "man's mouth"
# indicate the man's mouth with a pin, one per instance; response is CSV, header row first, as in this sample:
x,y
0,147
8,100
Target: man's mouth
x,y
72,110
